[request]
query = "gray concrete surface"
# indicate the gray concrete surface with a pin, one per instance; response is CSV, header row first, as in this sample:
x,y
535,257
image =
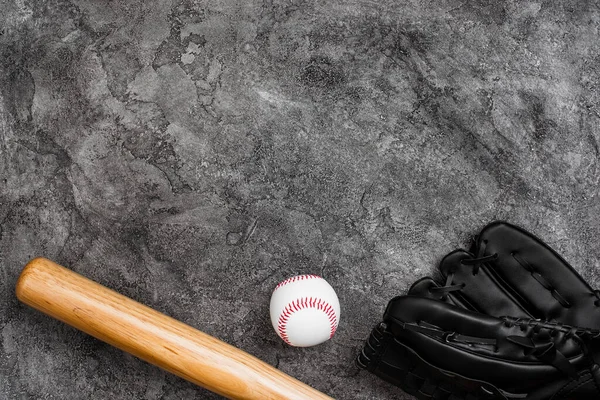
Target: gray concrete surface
x,y
139,141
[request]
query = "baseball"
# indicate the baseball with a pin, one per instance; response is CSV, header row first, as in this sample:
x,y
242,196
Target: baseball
x,y
305,311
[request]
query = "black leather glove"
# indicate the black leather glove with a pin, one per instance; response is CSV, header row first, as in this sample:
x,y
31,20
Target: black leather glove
x,y
510,319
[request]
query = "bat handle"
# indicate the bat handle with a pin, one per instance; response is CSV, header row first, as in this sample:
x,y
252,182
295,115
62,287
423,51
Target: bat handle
x,y
154,337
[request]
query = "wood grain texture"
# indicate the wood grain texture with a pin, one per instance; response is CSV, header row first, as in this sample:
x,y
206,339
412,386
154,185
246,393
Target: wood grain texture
x,y
153,336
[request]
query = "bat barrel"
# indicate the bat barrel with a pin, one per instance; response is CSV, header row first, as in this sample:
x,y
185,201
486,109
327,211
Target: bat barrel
x,y
153,336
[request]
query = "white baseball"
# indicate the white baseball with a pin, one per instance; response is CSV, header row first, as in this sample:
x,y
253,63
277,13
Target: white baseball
x,y
305,311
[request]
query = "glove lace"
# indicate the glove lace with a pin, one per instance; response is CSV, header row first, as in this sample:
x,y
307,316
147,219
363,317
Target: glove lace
x,y
476,262
447,288
569,331
544,348
450,287
597,294
546,352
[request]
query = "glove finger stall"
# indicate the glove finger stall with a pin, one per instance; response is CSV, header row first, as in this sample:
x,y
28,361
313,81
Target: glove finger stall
x,y
549,287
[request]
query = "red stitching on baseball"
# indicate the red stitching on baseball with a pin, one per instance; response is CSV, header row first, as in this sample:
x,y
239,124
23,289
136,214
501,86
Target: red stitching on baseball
x,y
296,279
302,303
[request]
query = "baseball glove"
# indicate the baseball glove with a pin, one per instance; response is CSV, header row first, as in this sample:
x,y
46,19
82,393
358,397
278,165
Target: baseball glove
x,y
510,319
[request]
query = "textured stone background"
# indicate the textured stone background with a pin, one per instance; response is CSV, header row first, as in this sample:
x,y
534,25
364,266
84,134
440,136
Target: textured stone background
x,y
191,154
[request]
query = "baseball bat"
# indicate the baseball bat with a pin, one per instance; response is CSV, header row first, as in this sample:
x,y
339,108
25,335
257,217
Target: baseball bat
x,y
153,336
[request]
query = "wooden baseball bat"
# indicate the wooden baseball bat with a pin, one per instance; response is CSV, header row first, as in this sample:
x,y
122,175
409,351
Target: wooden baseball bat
x,y
154,337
